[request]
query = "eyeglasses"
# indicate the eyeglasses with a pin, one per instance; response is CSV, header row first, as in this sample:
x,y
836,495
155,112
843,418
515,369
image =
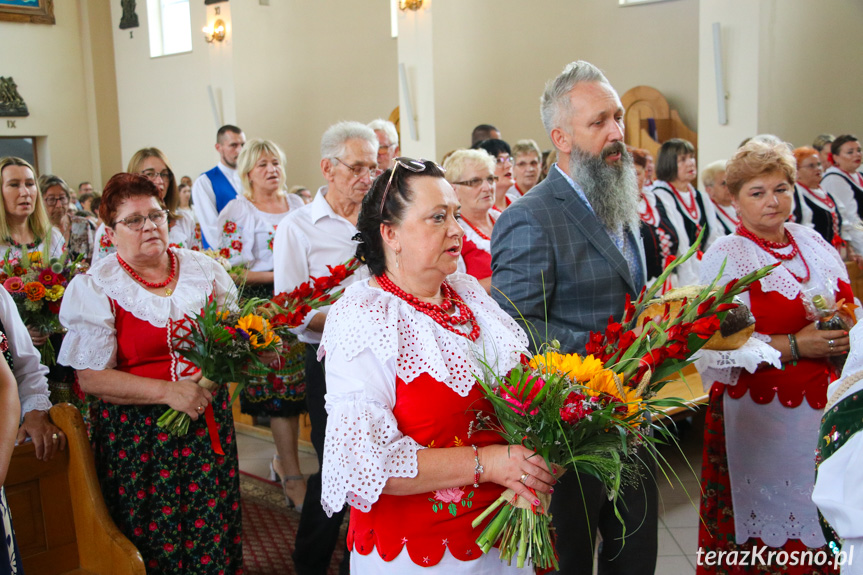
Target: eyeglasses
x,y
53,201
415,166
153,174
360,171
475,182
504,159
135,223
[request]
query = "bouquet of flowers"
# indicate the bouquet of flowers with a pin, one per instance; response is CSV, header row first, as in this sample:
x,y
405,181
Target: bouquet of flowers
x,y
226,341
37,290
588,413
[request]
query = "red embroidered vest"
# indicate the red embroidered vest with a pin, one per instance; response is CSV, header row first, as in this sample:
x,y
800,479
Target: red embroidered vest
x,y
429,523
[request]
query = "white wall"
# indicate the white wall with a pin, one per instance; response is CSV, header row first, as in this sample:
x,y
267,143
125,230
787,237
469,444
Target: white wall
x,y
301,66
492,58
740,26
163,102
61,83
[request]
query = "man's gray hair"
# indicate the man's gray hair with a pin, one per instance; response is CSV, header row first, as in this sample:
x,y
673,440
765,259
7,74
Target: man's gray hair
x,y
554,105
334,140
386,127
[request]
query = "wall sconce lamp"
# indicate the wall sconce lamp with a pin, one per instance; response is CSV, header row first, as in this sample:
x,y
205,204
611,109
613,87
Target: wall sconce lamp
x,y
215,32
410,5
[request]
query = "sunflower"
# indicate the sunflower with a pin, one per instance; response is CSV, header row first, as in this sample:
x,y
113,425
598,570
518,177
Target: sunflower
x,y
571,366
267,338
251,323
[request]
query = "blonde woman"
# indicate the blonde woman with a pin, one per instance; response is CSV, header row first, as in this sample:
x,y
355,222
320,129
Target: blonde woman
x,y
153,164
246,227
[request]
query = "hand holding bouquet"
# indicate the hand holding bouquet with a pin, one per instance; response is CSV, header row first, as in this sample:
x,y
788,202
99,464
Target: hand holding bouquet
x,y
37,290
587,413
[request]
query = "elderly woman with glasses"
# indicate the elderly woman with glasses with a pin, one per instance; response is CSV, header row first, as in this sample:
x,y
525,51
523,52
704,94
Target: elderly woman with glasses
x,y
504,180
247,225
401,348
182,229
78,232
175,498
470,174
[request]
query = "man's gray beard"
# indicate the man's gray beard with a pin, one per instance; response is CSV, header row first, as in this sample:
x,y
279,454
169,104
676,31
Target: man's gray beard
x,y
612,190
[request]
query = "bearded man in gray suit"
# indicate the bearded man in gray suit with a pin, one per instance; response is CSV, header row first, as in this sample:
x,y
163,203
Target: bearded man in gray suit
x,y
564,257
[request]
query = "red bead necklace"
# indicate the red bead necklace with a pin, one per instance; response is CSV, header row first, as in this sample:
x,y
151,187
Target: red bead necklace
x,y
693,211
437,312
770,248
728,216
476,229
649,217
140,280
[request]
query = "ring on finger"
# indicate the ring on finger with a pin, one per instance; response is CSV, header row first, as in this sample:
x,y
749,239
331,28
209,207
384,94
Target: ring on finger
x,y
199,409
831,343
55,437
523,478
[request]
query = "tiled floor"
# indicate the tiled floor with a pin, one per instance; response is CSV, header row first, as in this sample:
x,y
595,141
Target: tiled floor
x,y
678,496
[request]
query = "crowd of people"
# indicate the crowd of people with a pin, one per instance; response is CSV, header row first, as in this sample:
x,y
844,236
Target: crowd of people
x,y
498,249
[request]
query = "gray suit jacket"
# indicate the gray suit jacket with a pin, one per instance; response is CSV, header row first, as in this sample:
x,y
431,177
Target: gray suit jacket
x,y
556,264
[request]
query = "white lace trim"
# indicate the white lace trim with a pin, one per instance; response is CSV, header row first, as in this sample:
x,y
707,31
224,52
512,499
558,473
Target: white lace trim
x,y
394,329
744,256
725,366
196,279
471,235
90,349
364,448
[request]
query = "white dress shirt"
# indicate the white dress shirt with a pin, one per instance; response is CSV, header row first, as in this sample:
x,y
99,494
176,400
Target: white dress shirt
x,y
31,375
307,241
204,202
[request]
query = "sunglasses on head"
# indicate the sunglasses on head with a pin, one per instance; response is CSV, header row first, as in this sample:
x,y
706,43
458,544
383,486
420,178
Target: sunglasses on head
x,y
415,166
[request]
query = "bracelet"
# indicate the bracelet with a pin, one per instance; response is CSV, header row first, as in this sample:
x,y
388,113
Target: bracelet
x,y
795,351
477,470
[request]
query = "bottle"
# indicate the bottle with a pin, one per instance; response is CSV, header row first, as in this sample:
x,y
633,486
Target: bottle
x,y
830,320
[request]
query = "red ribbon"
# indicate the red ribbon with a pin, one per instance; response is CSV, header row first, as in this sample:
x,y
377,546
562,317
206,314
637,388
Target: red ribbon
x,y
213,430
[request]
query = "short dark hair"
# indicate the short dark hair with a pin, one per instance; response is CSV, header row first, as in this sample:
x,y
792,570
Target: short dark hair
x,y
371,247
666,163
83,184
482,132
121,187
840,141
227,128
493,147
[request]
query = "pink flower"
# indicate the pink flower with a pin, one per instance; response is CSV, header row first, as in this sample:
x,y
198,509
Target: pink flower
x,y
450,495
13,285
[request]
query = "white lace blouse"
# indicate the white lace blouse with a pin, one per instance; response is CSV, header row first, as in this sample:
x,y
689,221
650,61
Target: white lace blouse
x,y
86,311
373,337
246,233
182,233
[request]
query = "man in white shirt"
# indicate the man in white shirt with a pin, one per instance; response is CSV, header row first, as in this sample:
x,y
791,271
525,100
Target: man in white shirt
x,y
388,142
306,242
215,188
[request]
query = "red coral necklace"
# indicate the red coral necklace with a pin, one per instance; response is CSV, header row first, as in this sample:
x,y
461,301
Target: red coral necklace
x,y
438,312
771,247
476,229
142,281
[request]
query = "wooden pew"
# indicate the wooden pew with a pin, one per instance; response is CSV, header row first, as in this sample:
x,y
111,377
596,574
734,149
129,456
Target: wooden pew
x,y
59,515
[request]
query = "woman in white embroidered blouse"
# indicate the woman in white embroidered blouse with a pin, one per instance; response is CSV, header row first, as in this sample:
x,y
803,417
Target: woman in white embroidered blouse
x,y
401,348
471,174
762,426
182,232
175,498
25,229
247,226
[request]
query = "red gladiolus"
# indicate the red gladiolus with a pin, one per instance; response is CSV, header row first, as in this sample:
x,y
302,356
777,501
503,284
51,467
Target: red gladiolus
x,y
705,327
706,305
725,307
521,404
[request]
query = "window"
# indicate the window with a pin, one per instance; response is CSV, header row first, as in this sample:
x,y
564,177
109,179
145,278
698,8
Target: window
x,y
170,24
